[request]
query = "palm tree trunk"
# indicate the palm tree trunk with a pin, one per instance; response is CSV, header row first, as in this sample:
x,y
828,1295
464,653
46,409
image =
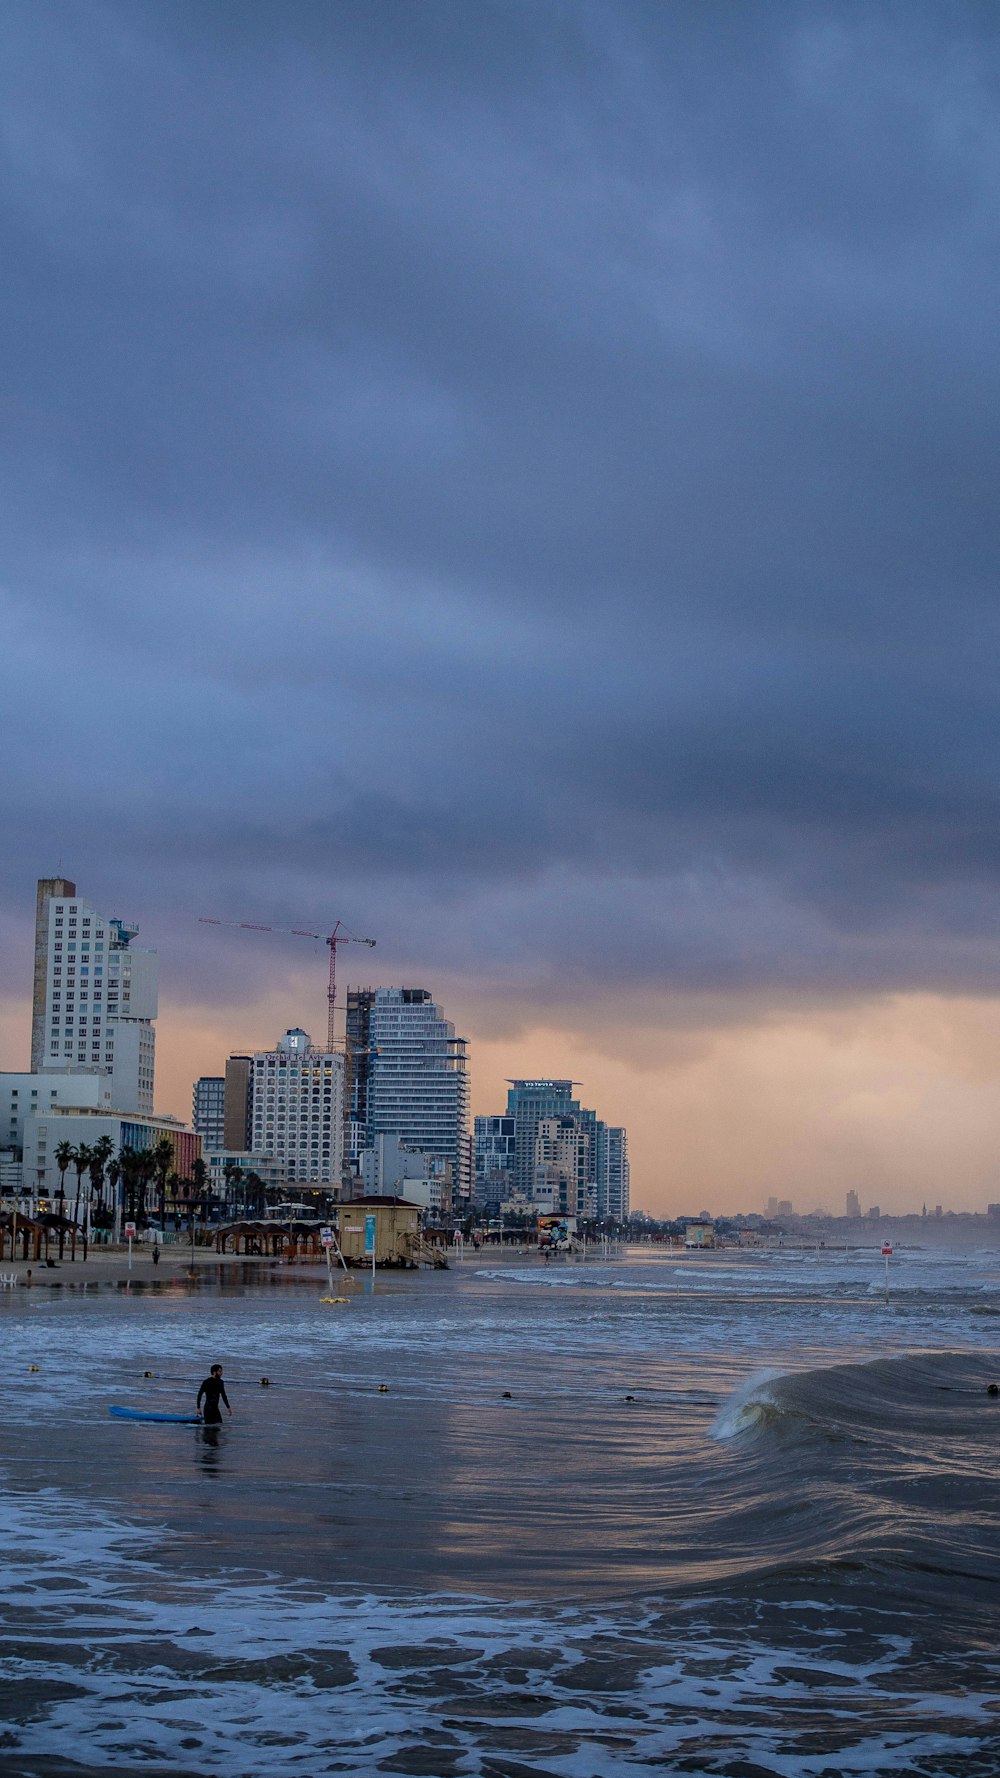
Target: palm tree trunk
x,y
62,1206
76,1201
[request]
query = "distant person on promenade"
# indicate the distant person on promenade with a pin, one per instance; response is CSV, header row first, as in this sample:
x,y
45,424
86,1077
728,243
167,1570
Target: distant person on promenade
x,y
156,1253
212,1391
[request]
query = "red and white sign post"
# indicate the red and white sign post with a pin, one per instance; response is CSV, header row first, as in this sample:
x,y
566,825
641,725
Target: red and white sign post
x,y
130,1237
887,1255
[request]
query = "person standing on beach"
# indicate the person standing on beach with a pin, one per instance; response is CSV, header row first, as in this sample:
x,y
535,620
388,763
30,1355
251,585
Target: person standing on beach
x,y
212,1391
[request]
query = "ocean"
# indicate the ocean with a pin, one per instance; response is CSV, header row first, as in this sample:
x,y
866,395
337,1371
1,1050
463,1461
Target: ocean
x,y
780,1557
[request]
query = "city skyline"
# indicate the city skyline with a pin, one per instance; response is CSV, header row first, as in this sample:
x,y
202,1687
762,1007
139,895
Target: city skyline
x,y
700,1156
521,480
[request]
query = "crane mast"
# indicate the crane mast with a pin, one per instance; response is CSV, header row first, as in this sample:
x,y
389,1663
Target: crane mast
x,y
339,936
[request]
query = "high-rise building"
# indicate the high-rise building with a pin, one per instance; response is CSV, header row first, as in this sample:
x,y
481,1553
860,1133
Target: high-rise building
x,y
562,1180
528,1101
297,1115
513,1158
47,889
494,1161
359,1057
853,1206
237,1105
409,1076
95,996
208,1110
613,1173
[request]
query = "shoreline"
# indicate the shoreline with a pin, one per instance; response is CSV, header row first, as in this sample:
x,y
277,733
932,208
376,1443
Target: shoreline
x,y
179,1265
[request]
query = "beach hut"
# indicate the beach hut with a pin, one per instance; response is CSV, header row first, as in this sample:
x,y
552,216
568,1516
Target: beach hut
x,y
397,1231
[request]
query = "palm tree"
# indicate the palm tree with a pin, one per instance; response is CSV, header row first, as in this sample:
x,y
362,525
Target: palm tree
x,y
147,1173
199,1182
174,1182
233,1175
256,1192
114,1173
81,1161
129,1162
64,1158
163,1160
101,1154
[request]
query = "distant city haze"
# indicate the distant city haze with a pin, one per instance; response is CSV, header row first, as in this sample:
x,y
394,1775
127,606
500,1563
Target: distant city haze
x,y
521,480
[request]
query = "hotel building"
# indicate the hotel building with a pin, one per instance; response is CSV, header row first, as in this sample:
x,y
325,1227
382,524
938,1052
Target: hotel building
x,y
297,1109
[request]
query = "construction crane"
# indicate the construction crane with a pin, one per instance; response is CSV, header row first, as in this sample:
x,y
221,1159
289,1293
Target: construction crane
x,y
339,936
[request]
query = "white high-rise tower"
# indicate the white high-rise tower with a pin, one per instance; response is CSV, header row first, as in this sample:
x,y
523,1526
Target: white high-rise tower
x,y
95,996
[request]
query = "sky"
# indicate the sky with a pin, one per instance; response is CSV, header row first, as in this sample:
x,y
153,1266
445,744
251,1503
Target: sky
x,y
519,476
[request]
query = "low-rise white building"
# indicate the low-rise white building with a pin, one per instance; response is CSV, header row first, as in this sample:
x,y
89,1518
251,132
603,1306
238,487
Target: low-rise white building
x,y
391,1169
27,1095
217,1160
11,1174
45,1130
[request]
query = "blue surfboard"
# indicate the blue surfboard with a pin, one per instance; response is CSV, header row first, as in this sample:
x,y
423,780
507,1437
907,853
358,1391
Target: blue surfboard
x,y
140,1414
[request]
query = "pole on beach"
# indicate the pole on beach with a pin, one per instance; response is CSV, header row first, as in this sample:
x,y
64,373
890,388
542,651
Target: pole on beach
x,y
886,1255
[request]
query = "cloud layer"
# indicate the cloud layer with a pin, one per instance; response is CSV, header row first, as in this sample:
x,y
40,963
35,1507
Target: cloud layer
x,y
521,478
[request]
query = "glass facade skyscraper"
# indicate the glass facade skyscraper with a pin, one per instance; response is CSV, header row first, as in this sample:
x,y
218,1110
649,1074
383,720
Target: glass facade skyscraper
x,y
600,1150
408,1075
528,1101
208,1110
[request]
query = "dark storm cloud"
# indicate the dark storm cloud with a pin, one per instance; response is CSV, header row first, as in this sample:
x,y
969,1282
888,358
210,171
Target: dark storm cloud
x,y
525,474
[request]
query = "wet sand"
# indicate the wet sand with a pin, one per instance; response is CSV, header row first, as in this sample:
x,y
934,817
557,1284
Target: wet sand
x,y
110,1265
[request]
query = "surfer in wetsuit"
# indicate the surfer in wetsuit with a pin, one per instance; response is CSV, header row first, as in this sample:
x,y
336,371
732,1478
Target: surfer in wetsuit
x,y
213,1390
